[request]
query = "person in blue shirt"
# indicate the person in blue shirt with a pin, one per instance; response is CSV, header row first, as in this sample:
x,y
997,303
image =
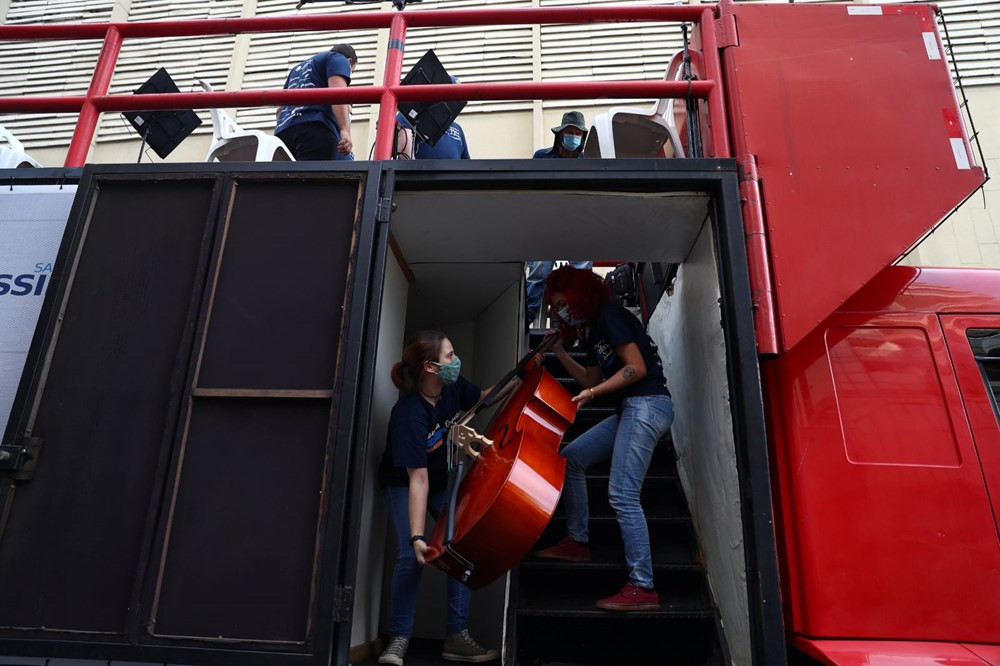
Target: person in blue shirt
x,y
451,146
568,142
622,362
413,476
320,131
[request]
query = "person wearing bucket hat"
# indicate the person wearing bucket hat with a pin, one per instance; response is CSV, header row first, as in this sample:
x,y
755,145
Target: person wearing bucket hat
x,y
568,142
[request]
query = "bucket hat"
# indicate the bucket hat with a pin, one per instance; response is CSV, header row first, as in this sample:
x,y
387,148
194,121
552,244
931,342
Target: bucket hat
x,y
571,119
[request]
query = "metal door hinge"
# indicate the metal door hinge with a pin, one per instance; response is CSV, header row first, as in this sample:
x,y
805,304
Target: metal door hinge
x,y
343,603
725,31
21,458
385,209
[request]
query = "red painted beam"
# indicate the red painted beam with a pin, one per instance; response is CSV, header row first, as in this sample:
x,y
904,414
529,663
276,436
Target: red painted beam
x,y
362,95
239,99
555,90
358,21
61,104
544,15
86,124
385,133
713,72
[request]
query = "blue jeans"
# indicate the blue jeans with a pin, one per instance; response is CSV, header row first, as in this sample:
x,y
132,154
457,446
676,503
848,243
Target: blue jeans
x,y
406,574
534,289
628,440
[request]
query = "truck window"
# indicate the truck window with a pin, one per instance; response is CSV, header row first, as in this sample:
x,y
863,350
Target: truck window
x,y
986,349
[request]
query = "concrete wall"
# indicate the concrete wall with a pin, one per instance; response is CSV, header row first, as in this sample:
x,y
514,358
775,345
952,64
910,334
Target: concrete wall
x,y
686,327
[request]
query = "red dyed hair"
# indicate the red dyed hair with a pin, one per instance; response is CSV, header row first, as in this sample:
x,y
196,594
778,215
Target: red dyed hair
x,y
584,290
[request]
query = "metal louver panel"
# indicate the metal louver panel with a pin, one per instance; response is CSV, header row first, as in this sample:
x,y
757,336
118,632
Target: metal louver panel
x,y
476,54
974,28
273,54
606,51
186,58
500,53
48,67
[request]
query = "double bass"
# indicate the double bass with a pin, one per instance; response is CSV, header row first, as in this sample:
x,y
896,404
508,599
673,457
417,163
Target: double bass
x,y
496,513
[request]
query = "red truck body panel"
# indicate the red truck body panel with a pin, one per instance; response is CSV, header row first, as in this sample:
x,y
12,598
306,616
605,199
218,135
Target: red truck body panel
x,y
875,653
885,456
852,117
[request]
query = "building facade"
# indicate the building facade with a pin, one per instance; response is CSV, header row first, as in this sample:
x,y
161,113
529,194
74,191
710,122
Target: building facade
x,y
514,129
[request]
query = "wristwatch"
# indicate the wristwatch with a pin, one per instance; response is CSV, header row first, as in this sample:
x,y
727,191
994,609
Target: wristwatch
x,y
417,537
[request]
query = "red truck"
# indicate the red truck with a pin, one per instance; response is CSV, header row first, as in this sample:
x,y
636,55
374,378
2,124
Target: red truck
x,y
188,472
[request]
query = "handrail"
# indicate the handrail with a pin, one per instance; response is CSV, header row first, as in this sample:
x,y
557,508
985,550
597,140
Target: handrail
x,y
387,95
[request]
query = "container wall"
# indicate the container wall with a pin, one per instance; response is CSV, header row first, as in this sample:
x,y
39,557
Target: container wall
x,y
372,546
486,338
686,327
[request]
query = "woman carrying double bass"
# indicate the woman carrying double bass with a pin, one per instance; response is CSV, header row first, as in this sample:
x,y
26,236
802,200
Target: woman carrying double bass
x,y
622,361
413,477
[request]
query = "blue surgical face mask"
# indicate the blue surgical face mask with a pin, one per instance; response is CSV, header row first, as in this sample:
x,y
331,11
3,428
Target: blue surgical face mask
x,y
571,141
564,314
449,371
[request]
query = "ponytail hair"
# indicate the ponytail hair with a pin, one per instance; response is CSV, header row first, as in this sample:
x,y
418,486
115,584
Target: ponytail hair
x,y
420,347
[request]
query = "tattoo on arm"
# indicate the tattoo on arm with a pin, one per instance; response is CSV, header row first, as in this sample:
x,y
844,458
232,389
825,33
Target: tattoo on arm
x,y
628,372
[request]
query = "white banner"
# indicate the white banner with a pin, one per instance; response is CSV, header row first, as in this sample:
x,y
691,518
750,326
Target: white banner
x,y
32,221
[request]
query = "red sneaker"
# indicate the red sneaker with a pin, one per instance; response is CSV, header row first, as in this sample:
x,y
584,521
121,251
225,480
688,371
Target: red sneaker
x,y
631,598
566,550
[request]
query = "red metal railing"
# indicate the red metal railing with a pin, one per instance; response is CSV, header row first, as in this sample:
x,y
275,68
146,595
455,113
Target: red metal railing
x,y
390,93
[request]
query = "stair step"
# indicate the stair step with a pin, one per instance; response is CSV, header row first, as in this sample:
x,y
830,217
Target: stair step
x,y
554,588
559,566
663,465
612,564
662,498
582,605
597,639
671,542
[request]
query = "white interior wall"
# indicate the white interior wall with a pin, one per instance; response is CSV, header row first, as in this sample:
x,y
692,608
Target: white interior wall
x,y
688,330
488,345
498,340
374,532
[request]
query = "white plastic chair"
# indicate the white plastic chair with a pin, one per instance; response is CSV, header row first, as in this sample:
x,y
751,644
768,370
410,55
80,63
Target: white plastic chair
x,y
13,156
626,131
234,144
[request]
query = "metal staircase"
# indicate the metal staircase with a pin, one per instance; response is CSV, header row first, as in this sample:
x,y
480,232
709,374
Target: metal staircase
x,y
552,617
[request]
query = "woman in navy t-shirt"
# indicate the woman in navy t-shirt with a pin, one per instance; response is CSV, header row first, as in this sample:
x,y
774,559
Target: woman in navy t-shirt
x,y
622,362
413,476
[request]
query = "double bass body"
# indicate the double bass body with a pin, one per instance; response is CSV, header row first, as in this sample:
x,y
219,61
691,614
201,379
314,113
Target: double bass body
x,y
510,493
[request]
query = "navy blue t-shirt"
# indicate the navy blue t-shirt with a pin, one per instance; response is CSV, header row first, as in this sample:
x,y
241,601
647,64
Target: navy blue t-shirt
x,y
614,326
552,154
415,426
451,145
313,73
